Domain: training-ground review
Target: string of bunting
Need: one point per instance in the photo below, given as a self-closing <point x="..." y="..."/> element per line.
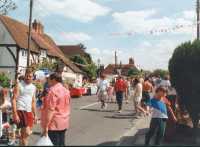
<point x="156" y="31"/>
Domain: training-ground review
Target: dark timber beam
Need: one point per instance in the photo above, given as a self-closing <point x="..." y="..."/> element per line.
<point x="12" y="54"/>
<point x="8" y="45"/>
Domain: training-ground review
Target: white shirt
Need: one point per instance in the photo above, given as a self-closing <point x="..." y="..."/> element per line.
<point x="165" y="83"/>
<point x="26" y="94"/>
<point x="157" y="114"/>
<point x="103" y="85"/>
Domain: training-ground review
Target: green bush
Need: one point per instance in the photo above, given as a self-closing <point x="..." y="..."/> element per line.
<point x="4" y="80"/>
<point x="133" y="72"/>
<point x="160" y="72"/>
<point x="185" y="76"/>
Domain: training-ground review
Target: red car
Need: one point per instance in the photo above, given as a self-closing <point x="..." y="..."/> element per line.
<point x="77" y="92"/>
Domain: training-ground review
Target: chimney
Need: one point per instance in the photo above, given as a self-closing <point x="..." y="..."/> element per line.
<point x="37" y="27"/>
<point x="131" y="61"/>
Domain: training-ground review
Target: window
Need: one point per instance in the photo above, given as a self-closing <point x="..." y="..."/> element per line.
<point x="24" y="53"/>
<point x="43" y="53"/>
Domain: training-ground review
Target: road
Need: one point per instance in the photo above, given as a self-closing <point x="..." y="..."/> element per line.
<point x="89" y="126"/>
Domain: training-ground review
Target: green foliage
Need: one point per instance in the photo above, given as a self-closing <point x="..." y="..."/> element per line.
<point x="78" y="59"/>
<point x="88" y="58"/>
<point x="184" y="72"/>
<point x="4" y="80"/>
<point x="91" y="70"/>
<point x="38" y="85"/>
<point x="6" y="6"/>
<point x="160" y="72"/>
<point x="45" y="64"/>
<point x="133" y="72"/>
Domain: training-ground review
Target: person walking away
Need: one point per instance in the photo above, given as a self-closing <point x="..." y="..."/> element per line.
<point x="55" y="112"/>
<point x="147" y="89"/>
<point x="24" y="107"/>
<point x="128" y="90"/>
<point x="120" y="88"/>
<point x="137" y="97"/>
<point x="159" y="118"/>
<point x="102" y="91"/>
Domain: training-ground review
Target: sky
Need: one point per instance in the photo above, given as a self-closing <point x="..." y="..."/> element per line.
<point x="147" y="30"/>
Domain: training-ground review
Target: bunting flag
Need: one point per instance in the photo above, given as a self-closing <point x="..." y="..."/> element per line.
<point x="157" y="31"/>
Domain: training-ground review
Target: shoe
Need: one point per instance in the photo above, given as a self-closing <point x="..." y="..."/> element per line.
<point x="105" y="106"/>
<point x="12" y="143"/>
<point x="120" y="111"/>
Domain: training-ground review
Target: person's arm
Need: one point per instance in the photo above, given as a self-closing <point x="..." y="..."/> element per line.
<point x="51" y="105"/>
<point x="34" y="107"/>
<point x="172" y="113"/>
<point x="14" y="106"/>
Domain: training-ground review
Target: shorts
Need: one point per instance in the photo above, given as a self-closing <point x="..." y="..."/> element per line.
<point x="102" y="95"/>
<point x="26" y="119"/>
<point x="145" y="97"/>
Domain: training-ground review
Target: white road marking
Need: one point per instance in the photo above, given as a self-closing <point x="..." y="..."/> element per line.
<point x="83" y="107"/>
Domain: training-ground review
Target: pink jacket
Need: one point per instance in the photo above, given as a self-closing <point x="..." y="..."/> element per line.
<point x="57" y="100"/>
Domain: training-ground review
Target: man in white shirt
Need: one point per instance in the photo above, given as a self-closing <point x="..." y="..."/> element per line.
<point x="102" y="91"/>
<point x="24" y="108"/>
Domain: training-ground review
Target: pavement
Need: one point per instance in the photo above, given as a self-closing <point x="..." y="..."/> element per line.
<point x="89" y="126"/>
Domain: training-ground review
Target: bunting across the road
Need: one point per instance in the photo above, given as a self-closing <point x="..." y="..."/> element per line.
<point x="156" y="31"/>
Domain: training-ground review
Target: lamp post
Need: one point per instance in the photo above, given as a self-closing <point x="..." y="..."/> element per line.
<point x="98" y="62"/>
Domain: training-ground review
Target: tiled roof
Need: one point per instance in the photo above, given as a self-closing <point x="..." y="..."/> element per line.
<point x="72" y="50"/>
<point x="110" y="69"/>
<point x="19" y="32"/>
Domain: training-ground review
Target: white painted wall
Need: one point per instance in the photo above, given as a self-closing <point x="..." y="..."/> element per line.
<point x="5" y="57"/>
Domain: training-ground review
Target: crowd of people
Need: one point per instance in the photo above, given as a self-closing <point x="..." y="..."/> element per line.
<point x="150" y="96"/>
<point x="51" y="104"/>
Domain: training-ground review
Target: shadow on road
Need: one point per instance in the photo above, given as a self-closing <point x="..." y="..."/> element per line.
<point x="119" y="117"/>
<point x="97" y="110"/>
<point x="110" y="143"/>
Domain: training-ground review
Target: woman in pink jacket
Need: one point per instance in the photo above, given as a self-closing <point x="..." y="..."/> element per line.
<point x="55" y="112"/>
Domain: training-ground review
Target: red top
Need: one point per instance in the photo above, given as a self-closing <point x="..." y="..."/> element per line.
<point x="120" y="85"/>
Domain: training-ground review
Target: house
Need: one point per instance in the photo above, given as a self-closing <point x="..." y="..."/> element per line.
<point x="14" y="44"/>
<point x="72" y="50"/>
<point x="114" y="69"/>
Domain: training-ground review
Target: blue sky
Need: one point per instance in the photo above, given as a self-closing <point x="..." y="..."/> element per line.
<point x="126" y="26"/>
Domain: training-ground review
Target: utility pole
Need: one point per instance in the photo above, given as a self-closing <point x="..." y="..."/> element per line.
<point x="198" y="18"/>
<point x="29" y="32"/>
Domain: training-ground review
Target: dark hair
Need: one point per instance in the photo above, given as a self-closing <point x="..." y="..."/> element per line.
<point x="103" y="76"/>
<point x="56" y="76"/>
<point x="29" y="71"/>
<point x="161" y="88"/>
<point x="146" y="79"/>
<point x="136" y="81"/>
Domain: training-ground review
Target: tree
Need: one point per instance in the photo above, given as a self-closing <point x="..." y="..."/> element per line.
<point x="79" y="59"/>
<point x="6" y="6"/>
<point x="184" y="72"/>
<point x="4" y="80"/>
<point x="133" y="72"/>
<point x="91" y="71"/>
<point x="160" y="72"/>
<point x="82" y="46"/>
